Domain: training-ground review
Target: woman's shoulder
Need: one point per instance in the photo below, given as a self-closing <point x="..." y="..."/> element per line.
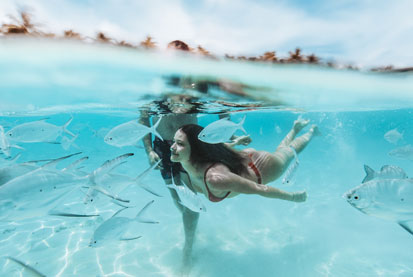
<point x="215" y="175"/>
<point x="215" y="168"/>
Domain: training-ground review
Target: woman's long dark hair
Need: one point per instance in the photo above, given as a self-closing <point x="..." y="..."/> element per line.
<point x="202" y="152"/>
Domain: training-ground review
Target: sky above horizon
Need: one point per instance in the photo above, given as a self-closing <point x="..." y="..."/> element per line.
<point x="363" y="33"/>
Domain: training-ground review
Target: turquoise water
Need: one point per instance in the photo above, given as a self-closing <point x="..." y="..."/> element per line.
<point x="101" y="87"/>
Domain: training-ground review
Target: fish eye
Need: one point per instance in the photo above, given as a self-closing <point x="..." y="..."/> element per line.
<point x="94" y="242"/>
<point x="356" y="197"/>
<point x="10" y="134"/>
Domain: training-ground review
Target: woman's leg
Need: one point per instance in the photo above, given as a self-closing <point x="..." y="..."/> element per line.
<point x="273" y="165"/>
<point x="190" y="220"/>
<point x="299" y="124"/>
<point x="301" y="142"/>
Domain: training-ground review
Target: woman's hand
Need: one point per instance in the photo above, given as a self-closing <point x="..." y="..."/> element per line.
<point x="153" y="158"/>
<point x="299" y="196"/>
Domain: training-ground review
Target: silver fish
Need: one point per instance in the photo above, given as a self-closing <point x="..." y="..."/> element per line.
<point x="14" y="170"/>
<point x="386" y="172"/>
<point x="10" y="172"/>
<point x="129" y="133"/>
<point x="220" y="131"/>
<point x="115" y="227"/>
<point x="289" y="173"/>
<point x="66" y="214"/>
<point x="48" y="186"/>
<point x="45" y="184"/>
<point x="187" y="197"/>
<point x="98" y="174"/>
<point x="405" y="152"/>
<point x="122" y="181"/>
<point x="393" y="136"/>
<point x="389" y="199"/>
<point x="38" y="131"/>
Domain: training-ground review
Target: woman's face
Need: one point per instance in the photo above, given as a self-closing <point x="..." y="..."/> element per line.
<point x="180" y="149"/>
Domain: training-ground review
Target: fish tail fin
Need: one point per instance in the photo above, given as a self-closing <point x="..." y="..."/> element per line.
<point x="146" y="172"/>
<point x="406" y="227"/>
<point x="66" y="143"/>
<point x="16" y="146"/>
<point x="142" y="175"/>
<point x="140" y="216"/>
<point x="369" y="173"/>
<point x="153" y="128"/>
<point x="15" y="158"/>
<point x="241" y="123"/>
<point x="123" y="207"/>
<point x="65" y="127"/>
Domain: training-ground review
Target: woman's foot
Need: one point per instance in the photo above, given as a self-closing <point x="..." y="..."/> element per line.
<point x="314" y="129"/>
<point x="299" y="124"/>
<point x="299" y="196"/>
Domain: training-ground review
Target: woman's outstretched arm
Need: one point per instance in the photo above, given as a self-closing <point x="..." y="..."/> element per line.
<point x="221" y="178"/>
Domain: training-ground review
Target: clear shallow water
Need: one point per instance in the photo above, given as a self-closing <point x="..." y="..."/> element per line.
<point x="243" y="236"/>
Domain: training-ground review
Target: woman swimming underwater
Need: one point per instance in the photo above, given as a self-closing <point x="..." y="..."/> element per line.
<point x="220" y="172"/>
